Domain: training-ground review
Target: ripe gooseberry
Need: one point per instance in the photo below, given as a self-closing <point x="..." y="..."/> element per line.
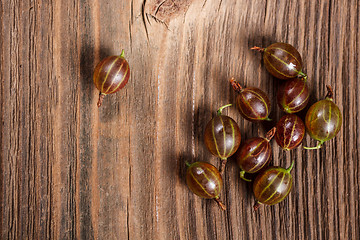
<point x="252" y="102"/>
<point x="323" y="120"/>
<point x="272" y="185"/>
<point x="111" y="75"/>
<point x="222" y="136"/>
<point x="205" y="180"/>
<point x="293" y="95"/>
<point x="290" y="131"/>
<point x="282" y="60"/>
<point x="254" y="154"/>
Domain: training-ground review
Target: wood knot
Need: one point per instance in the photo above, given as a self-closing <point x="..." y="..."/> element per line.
<point x="165" y="10"/>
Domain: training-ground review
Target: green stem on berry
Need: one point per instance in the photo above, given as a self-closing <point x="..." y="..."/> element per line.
<point x="316" y="147"/>
<point x="122" y="53"/>
<point x="287" y="109"/>
<point x="302" y="75"/>
<point x="219" y="111"/>
<point x="268" y="119"/>
<point x="242" y="176"/>
<point x="187" y="164"/>
<point x="288" y="170"/>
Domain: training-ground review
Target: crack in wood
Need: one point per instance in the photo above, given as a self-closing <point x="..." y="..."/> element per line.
<point x="143" y="19"/>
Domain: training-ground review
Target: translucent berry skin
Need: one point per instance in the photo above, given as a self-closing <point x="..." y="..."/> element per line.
<point x="254" y="154"/>
<point x="204" y="180"/>
<point x="273" y="185"/>
<point x="282" y="61"/>
<point x="323" y="120"/>
<point x="253" y="104"/>
<point x="293" y="95"/>
<point x="290" y="131"/>
<point x="111" y="75"/>
<point x="222" y="136"/>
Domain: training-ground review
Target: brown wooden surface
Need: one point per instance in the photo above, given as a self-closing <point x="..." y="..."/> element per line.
<point x="72" y="171"/>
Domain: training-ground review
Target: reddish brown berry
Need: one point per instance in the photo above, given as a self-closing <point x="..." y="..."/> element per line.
<point x="111" y="75"/>
<point x="252" y="102"/>
<point x="205" y="180"/>
<point x="282" y="60"/>
<point x="293" y="95"/>
<point x="254" y="154"/>
<point x="290" y="131"/>
<point x="272" y="185"/>
<point x="222" y="136"/>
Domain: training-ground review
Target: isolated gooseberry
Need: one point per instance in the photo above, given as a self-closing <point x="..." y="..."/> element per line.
<point x="111" y="75"/>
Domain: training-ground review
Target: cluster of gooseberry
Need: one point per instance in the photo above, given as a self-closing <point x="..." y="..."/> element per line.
<point x="222" y="135"/>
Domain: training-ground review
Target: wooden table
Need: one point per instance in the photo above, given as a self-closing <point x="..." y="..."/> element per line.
<point x="71" y="170"/>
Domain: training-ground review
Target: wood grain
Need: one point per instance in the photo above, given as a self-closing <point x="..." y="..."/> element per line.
<point x="72" y="171"/>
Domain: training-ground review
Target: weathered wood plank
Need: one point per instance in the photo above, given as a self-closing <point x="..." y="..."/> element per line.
<point x="70" y="170"/>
